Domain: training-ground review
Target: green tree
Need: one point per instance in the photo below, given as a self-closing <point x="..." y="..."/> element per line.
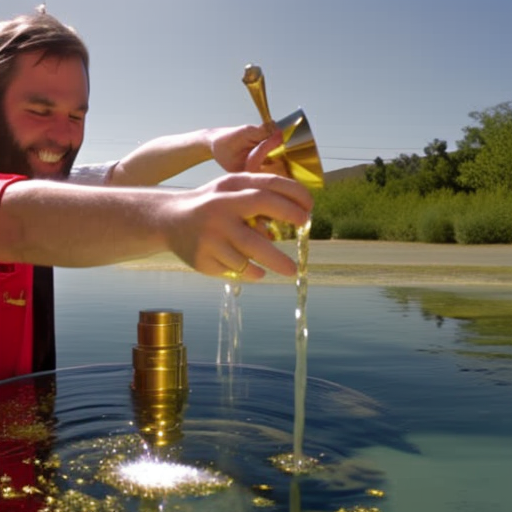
<point x="486" y="150"/>
<point x="376" y="173"/>
<point x="436" y="148"/>
<point x="438" y="170"/>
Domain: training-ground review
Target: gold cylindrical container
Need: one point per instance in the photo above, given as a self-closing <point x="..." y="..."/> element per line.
<point x="160" y="358"/>
<point x="160" y="377"/>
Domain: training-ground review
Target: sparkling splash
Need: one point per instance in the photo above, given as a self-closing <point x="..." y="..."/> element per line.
<point x="155" y="477"/>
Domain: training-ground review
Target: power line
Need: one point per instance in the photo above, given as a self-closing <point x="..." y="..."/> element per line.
<point x="351" y="159"/>
<point x="373" y="149"/>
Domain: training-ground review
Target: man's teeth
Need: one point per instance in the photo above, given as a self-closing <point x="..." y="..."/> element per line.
<point x="49" y="157"/>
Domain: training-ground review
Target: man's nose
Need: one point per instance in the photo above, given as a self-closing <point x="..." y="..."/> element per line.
<point x="63" y="131"/>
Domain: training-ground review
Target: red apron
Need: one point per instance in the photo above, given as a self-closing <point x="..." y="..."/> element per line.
<point x="16" y="329"/>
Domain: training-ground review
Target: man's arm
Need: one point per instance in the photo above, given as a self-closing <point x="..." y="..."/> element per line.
<point x="165" y="157"/>
<point x="48" y="223"/>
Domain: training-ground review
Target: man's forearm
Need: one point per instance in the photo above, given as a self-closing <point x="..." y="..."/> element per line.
<point x="162" y="158"/>
<point x="48" y="223"/>
<point x="165" y="157"/>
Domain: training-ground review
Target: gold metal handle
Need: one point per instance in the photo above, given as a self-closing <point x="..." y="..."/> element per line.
<point x="255" y="82"/>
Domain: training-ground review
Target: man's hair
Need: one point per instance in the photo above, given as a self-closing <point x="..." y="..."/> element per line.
<point x="36" y="32"/>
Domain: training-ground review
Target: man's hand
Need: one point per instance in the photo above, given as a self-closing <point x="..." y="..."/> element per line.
<point x="209" y="228"/>
<point x="245" y="148"/>
<point x="232" y="148"/>
<point x="214" y="236"/>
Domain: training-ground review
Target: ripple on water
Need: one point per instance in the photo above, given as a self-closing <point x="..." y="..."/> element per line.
<point x="230" y="427"/>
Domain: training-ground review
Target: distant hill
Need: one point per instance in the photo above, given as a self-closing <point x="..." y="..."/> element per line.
<point x="357" y="171"/>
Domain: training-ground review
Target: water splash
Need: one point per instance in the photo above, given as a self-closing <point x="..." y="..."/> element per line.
<point x="147" y="476"/>
<point x="230" y="325"/>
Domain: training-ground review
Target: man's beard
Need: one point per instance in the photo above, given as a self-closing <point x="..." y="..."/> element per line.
<point x="14" y="159"/>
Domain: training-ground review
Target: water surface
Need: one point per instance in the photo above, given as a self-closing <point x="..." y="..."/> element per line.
<point x="441" y="374"/>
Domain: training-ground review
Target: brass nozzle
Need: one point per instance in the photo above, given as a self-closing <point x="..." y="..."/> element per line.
<point x="160" y="358"/>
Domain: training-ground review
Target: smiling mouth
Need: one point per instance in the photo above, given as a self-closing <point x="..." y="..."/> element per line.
<point x="50" y="157"/>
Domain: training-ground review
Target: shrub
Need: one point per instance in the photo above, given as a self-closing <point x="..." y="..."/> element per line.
<point x="399" y="217"/>
<point x="487" y="218"/>
<point x="355" y="228"/>
<point x="400" y="230"/>
<point x="484" y="227"/>
<point x="356" y="209"/>
<point x="435" y="227"/>
<point x="321" y="228"/>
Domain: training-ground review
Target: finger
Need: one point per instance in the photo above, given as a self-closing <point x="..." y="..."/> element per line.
<point x="214" y="268"/>
<point x="269" y="256"/>
<point x="271" y="205"/>
<point x="259" y="154"/>
<point x="250" y="273"/>
<point x="260" y="225"/>
<point x="244" y="182"/>
<point x="232" y="259"/>
<point x="276" y="166"/>
<point x="220" y="258"/>
<point x="263" y="252"/>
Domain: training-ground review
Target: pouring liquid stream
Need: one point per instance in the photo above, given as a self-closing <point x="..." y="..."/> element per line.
<point x="229" y="351"/>
<point x="297" y="462"/>
<point x="301" y="345"/>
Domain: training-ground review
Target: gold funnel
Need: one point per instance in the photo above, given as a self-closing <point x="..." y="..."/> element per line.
<point x="160" y="379"/>
<point x="298" y="151"/>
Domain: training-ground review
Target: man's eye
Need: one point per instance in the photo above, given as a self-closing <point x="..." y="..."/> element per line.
<point x="76" y="117"/>
<point x="41" y="113"/>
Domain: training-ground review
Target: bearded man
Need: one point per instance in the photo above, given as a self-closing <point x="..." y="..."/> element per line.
<point x="44" y="99"/>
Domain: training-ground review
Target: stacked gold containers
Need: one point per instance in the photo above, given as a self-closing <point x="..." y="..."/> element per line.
<point x="160" y="378"/>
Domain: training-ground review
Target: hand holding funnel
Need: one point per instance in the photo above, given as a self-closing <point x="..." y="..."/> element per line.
<point x="298" y="151"/>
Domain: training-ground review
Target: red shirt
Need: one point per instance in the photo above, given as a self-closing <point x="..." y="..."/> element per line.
<point x="16" y="310"/>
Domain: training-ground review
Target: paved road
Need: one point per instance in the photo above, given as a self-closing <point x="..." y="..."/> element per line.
<point x="348" y="252"/>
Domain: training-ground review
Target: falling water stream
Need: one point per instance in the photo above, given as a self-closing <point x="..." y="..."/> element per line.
<point x="297" y="462"/>
<point x="230" y="325"/>
<point x="228" y="351"/>
<point x="301" y="463"/>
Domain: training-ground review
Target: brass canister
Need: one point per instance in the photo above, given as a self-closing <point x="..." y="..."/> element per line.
<point x="160" y="358"/>
<point x="160" y="378"/>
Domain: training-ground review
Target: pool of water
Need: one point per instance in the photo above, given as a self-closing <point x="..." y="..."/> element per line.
<point x="230" y="422"/>
<point x="435" y="365"/>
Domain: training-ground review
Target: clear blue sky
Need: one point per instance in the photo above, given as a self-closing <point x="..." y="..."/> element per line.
<point x="375" y="78"/>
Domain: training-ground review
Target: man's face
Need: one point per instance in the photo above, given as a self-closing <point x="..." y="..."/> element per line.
<point x="44" y="110"/>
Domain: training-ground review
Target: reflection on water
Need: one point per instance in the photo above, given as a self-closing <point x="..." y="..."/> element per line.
<point x="93" y="430"/>
<point x="484" y="323"/>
